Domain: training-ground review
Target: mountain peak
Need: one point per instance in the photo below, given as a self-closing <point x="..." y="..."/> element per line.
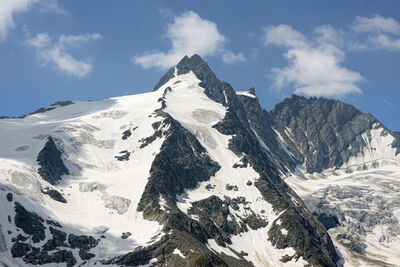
<point x="195" y="64"/>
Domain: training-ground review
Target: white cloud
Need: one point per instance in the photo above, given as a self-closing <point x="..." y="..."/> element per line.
<point x="8" y="8"/>
<point x="50" y="6"/>
<point x="55" y="52"/>
<point x="382" y="41"/>
<point x="376" y="23"/>
<point x="284" y="35"/>
<point x="327" y="34"/>
<point x="231" y="58"/>
<point x="189" y="34"/>
<point x="381" y="33"/>
<point x="314" y="64"/>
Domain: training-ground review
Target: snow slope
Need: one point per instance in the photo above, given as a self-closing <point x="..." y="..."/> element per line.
<point x="102" y="193"/>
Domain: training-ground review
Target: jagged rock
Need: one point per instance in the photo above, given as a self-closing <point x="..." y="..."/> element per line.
<point x="126" y="134"/>
<point x="176" y="167"/>
<point x="305" y="227"/>
<point x="53" y="223"/>
<point x="54" y="194"/>
<point x="231" y="187"/>
<point x="19" y="249"/>
<point x="148" y="140"/>
<point x="84" y="243"/>
<point x="125" y="235"/>
<point x="40" y="257"/>
<point x="52" y="167"/>
<point x="19" y="238"/>
<point x="58" y="240"/>
<point x="29" y="222"/>
<point x="125" y="155"/>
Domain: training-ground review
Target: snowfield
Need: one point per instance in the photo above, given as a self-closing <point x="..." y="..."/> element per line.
<point x="102" y="193"/>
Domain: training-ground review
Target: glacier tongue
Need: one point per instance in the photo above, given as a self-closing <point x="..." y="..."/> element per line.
<point x="365" y="206"/>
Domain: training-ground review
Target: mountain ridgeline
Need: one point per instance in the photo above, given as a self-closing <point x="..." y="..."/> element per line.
<point x="323" y="133"/>
<point x="189" y="174"/>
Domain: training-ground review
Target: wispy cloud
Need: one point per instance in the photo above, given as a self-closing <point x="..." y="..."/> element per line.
<point x="8" y="8"/>
<point x="381" y="33"/>
<point x="375" y="24"/>
<point x="314" y="64"/>
<point x="189" y="34"/>
<point x="50" y="6"/>
<point x="55" y="52"/>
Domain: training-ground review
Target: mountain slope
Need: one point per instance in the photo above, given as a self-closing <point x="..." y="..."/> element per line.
<point x="324" y="134"/>
<point x="352" y="175"/>
<point x="176" y="177"/>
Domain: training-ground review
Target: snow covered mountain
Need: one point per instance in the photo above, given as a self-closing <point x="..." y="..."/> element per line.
<point x="195" y="174"/>
<point x="352" y="183"/>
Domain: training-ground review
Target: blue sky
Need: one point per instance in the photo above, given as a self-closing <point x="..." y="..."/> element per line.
<point x="79" y="50"/>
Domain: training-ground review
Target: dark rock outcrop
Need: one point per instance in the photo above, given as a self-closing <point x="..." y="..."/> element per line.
<point x="52" y="167"/>
<point x="9" y="197"/>
<point x="126" y="134"/>
<point x="396" y="143"/>
<point x="30" y="223"/>
<point x="54" y="194"/>
<point x="125" y="154"/>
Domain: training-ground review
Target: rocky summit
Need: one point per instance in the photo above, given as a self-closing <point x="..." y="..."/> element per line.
<point x="194" y="173"/>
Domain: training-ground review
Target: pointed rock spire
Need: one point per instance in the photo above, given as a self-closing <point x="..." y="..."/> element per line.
<point x="195" y="64"/>
<point x="214" y="88"/>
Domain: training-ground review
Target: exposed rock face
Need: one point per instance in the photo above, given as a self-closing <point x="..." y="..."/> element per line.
<point x="30" y="223"/>
<point x="54" y="194"/>
<point x="52" y="167"/>
<point x="396" y="143"/>
<point x="55" y="250"/>
<point x="261" y="123"/>
<point x="305" y="233"/>
<point x="307" y="236"/>
<point x="324" y="133"/>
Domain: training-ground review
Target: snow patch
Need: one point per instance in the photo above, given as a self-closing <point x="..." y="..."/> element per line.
<point x="179" y="253"/>
<point x="246" y="93"/>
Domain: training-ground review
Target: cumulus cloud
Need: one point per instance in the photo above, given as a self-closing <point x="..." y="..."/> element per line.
<point x="8" y="8"/>
<point x="314" y="64"/>
<point x="54" y="52"/>
<point x="189" y="34"/>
